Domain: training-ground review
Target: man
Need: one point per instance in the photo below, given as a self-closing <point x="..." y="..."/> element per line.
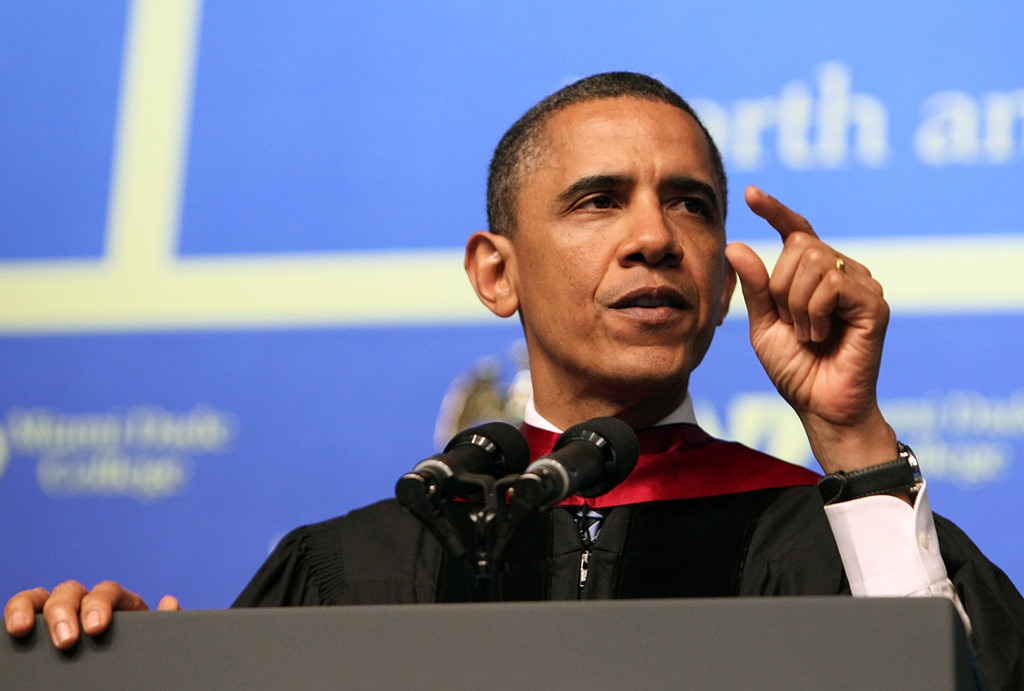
<point x="607" y="205"/>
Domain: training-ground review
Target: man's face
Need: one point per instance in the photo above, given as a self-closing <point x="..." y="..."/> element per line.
<point x="619" y="261"/>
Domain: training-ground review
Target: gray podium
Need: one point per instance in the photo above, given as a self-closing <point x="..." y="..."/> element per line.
<point x="763" y="643"/>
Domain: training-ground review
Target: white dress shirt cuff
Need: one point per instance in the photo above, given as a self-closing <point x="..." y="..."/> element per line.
<point x="891" y="549"/>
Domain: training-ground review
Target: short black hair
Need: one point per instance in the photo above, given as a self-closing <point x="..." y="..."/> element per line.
<point x="521" y="142"/>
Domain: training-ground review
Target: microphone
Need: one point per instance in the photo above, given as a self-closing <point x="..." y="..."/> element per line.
<point x="494" y="449"/>
<point x="588" y="459"/>
<point x="470" y="462"/>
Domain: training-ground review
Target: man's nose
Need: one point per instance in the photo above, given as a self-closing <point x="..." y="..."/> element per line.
<point x="651" y="239"/>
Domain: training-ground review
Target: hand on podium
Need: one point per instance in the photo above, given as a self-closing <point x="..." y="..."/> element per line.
<point x="62" y="607"/>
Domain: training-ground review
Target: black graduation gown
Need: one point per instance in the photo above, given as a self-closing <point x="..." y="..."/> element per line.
<point x="774" y="541"/>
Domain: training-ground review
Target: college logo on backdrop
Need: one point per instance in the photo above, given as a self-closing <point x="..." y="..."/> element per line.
<point x="492" y="388"/>
<point x="145" y="452"/>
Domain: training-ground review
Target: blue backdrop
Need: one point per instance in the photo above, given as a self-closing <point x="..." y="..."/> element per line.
<point x="230" y="248"/>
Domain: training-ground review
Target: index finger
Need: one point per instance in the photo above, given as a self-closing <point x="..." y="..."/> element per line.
<point x="779" y="216"/>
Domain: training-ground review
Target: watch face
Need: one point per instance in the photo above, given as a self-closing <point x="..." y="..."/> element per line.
<point x="907" y="454"/>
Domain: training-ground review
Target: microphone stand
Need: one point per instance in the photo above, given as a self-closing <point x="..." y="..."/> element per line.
<point x="507" y="502"/>
<point x="423" y="500"/>
<point x="485" y="580"/>
<point x="524" y="495"/>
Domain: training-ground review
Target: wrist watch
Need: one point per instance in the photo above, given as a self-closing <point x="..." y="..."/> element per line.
<point x="901" y="474"/>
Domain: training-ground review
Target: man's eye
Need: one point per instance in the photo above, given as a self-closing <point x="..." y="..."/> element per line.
<point x="695" y="206"/>
<point x="600" y="201"/>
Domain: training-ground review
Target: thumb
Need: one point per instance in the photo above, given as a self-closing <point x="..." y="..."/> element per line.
<point x="168" y="603"/>
<point x="753" y="277"/>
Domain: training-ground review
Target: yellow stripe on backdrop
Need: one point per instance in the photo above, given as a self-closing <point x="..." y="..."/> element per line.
<point x="141" y="285"/>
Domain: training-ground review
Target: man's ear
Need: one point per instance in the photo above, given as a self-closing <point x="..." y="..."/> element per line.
<point x="491" y="266"/>
<point x="728" y="288"/>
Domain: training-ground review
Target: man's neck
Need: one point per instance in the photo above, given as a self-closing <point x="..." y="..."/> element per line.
<point x="683" y="412"/>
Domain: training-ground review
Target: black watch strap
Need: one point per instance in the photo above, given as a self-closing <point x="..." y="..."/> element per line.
<point x="901" y="474"/>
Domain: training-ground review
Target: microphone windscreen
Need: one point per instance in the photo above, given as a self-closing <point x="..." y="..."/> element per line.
<point x="619" y="445"/>
<point x="513" y="452"/>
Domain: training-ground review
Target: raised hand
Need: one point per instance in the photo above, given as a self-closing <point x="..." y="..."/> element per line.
<point x="818" y="324"/>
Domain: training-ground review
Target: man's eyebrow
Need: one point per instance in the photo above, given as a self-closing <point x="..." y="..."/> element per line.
<point x="592" y="183"/>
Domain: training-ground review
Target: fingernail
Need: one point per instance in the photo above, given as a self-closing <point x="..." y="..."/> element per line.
<point x="92" y="619"/>
<point x="62" y="632"/>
